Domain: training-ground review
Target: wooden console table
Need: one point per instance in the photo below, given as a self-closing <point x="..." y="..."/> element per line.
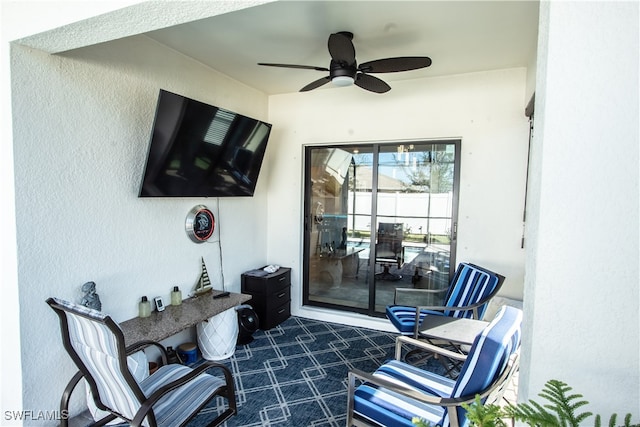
<point x="176" y="318"/>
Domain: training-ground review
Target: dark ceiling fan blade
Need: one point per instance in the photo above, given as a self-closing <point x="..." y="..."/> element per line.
<point x="371" y="83"/>
<point x="341" y="48"/>
<point x="316" y="84"/>
<point x="304" y="67"/>
<point x="393" y="65"/>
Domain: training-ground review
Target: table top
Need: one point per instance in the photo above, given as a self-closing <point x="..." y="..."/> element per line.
<point x="452" y="329"/>
<point x="176" y="318"/>
<point x="341" y="253"/>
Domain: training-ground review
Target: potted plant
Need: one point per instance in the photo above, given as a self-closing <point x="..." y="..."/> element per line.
<point x="562" y="410"/>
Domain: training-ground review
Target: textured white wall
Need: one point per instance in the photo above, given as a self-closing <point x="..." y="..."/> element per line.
<point x="18" y="21"/>
<point x="581" y="288"/>
<point x="81" y="129"/>
<point x="485" y="110"/>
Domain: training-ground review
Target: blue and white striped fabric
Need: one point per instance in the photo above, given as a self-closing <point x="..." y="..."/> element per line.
<point x="487" y="360"/>
<point x="97" y="345"/>
<point x="489" y="355"/>
<point x="384" y="407"/>
<point x="176" y="406"/>
<point x="470" y="285"/>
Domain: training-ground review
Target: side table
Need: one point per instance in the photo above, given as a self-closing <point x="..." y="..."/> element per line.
<point x="271" y="295"/>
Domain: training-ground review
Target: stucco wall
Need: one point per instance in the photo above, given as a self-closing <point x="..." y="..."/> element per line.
<point x="485" y="110"/>
<point x="82" y="123"/>
<point x="581" y="288"/>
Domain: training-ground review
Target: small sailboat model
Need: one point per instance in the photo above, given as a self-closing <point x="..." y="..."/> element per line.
<point x="203" y="285"/>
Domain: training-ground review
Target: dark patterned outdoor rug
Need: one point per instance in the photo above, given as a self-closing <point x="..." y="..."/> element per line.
<point x="296" y="374"/>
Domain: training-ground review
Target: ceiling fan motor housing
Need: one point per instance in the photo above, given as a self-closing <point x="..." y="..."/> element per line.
<point x="336" y="69"/>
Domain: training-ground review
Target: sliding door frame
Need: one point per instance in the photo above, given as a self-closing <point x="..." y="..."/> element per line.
<point x="308" y="217"/>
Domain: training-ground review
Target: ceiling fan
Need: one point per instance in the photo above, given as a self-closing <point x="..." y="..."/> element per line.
<point x="344" y="70"/>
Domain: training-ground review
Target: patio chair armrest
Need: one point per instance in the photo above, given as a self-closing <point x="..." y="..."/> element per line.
<point x="356" y="374"/>
<point x="141" y="345"/>
<point x="441" y="308"/>
<point x="151" y="400"/>
<point x="397" y="387"/>
<point x="474" y="307"/>
<point x="228" y="377"/>
<point x="419" y="291"/>
<point x="402" y="339"/>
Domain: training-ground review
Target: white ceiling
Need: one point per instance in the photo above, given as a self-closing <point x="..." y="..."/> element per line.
<point x="459" y="36"/>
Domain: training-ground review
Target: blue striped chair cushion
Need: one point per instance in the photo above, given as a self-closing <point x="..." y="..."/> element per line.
<point x="487" y="359"/>
<point x="470" y="285"/>
<point x="419" y="379"/>
<point x="489" y="355"/>
<point x="176" y="406"/>
<point x="403" y="317"/>
<point x="387" y="408"/>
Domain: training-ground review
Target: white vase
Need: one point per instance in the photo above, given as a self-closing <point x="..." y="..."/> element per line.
<point x="217" y="336"/>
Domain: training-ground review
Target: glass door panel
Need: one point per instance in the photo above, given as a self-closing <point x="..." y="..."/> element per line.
<point x="338" y="223"/>
<point x="415" y="218"/>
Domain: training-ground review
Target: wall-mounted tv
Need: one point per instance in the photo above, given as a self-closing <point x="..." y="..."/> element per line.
<point x="199" y="150"/>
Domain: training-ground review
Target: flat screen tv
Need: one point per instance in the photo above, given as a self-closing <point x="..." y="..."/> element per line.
<point x="199" y="150"/>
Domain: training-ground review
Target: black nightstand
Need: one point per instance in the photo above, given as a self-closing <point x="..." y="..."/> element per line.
<point x="271" y="296"/>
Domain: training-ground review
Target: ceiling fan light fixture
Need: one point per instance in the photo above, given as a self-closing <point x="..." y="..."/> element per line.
<point x="343" y="81"/>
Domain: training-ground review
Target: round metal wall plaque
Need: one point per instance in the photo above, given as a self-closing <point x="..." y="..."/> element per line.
<point x="200" y="224"/>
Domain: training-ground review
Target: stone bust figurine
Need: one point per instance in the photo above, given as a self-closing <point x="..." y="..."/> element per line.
<point x="91" y="299"/>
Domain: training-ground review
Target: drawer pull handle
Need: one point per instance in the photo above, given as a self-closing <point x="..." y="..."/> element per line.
<point x="281" y="279"/>
<point x="282" y="294"/>
<point x="281" y="311"/>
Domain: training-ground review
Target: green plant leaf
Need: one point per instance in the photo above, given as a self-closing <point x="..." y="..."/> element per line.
<point x="561" y="411"/>
<point x="484" y="415"/>
<point x="420" y="422"/>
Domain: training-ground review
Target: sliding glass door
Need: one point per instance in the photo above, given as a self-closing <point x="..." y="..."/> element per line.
<point x="378" y="217"/>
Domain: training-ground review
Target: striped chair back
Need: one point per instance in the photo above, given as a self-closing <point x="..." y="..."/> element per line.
<point x="469" y="286"/>
<point x="96" y="345"/>
<point x="488" y="356"/>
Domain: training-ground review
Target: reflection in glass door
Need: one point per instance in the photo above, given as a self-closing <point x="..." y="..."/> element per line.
<point x="336" y="239"/>
<point x="415" y="223"/>
<point x="378" y="217"/>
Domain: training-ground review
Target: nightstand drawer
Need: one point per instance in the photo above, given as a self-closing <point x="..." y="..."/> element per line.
<point x="276" y="316"/>
<point x="279" y="297"/>
<point x="266" y="284"/>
